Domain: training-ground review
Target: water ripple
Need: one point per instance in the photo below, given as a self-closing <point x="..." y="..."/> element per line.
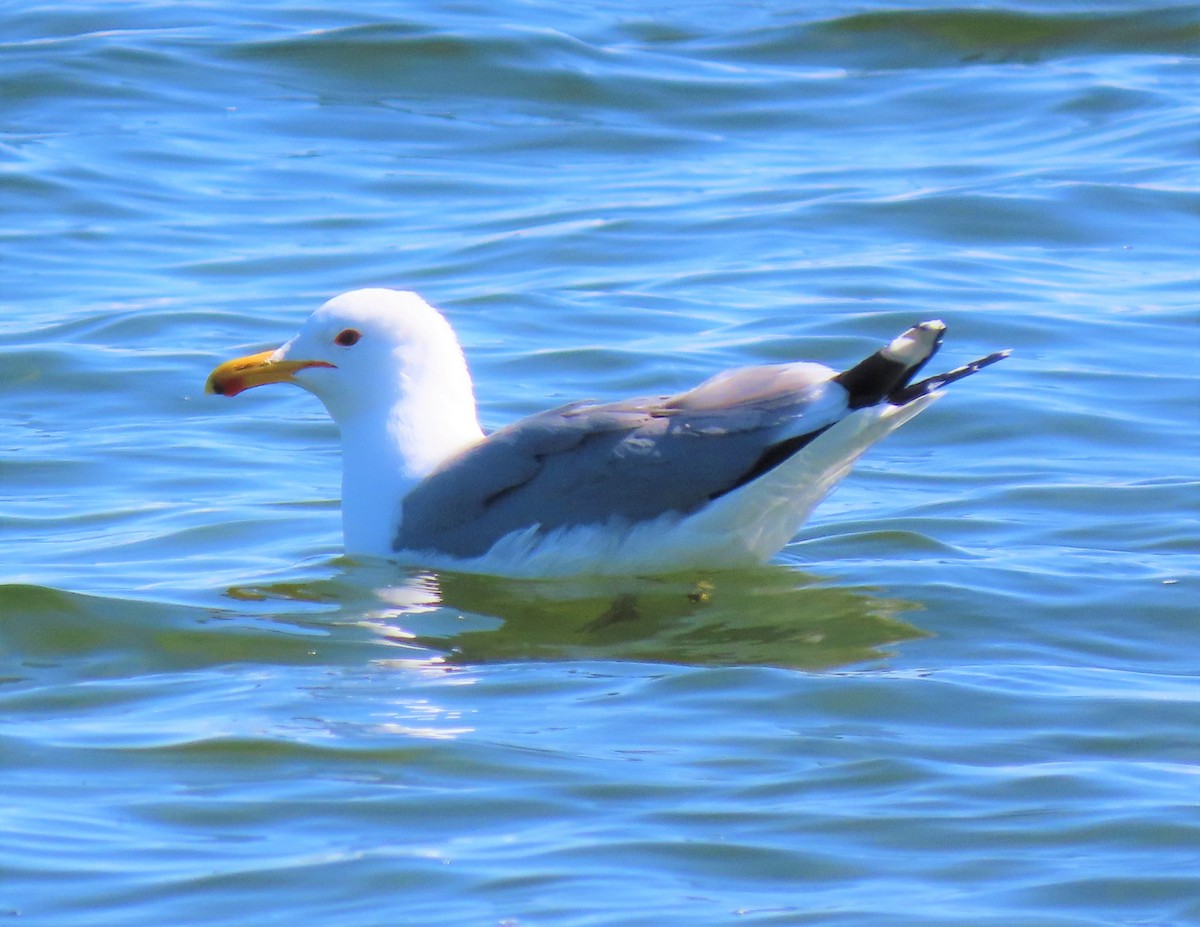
<point x="965" y="693"/>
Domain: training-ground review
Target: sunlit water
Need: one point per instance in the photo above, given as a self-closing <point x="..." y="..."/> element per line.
<point x="967" y="692"/>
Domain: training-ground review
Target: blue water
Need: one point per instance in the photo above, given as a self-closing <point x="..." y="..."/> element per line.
<point x="966" y="694"/>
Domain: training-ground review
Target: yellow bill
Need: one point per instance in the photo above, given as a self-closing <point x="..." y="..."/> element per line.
<point x="242" y="373"/>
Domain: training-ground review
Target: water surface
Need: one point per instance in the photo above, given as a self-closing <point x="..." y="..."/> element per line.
<point x="966" y="693"/>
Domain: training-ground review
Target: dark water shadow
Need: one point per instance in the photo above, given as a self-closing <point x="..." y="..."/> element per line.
<point x="771" y="616"/>
<point x="360" y="613"/>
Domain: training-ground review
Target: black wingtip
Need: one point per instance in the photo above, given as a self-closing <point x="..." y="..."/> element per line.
<point x="908" y="393"/>
<point x="892" y="366"/>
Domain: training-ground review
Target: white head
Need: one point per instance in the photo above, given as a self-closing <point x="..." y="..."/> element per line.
<point x="389" y="370"/>
<point x="378" y="342"/>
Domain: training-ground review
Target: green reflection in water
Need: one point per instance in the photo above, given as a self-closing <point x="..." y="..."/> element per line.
<point x="767" y="617"/>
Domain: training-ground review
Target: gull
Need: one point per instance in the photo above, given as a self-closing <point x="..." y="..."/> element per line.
<point x="719" y="476"/>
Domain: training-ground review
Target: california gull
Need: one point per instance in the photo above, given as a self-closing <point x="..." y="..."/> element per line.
<point x="718" y="476"/>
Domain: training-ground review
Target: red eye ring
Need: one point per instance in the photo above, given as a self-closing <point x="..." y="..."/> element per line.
<point x="347" y="337"/>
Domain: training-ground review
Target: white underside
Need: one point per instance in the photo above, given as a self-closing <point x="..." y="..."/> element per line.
<point x="747" y="526"/>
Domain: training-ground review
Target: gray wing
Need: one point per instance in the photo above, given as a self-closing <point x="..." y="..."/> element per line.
<point x="588" y="463"/>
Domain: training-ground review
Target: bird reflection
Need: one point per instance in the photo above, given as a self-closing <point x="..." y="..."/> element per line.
<point x="771" y="616"/>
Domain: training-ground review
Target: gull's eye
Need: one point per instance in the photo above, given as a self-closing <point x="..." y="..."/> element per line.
<point x="347" y="337"/>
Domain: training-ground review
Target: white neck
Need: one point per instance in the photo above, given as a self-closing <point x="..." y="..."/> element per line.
<point x="400" y="393"/>
<point x="373" y="485"/>
<point x="385" y="454"/>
